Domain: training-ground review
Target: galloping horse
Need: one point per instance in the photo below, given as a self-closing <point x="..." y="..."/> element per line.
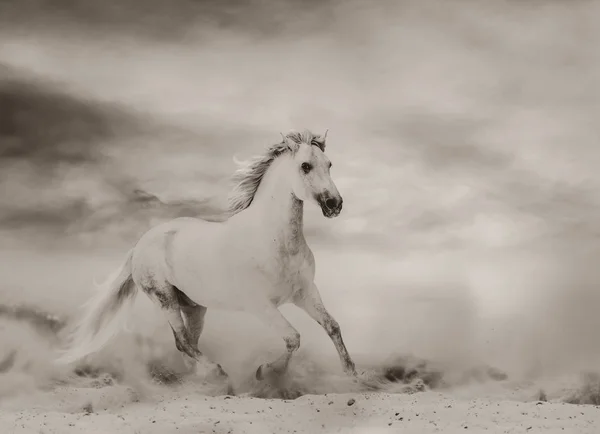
<point x="254" y="261"/>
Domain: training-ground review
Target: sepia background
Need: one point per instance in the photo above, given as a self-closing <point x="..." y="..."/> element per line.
<point x="464" y="139"/>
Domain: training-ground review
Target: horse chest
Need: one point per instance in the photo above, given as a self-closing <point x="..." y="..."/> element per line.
<point x="286" y="275"/>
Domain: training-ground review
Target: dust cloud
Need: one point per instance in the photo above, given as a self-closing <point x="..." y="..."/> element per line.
<point x="464" y="142"/>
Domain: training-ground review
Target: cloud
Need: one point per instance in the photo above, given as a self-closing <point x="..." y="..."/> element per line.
<point x="47" y="126"/>
<point x="167" y="21"/>
<point x="57" y="174"/>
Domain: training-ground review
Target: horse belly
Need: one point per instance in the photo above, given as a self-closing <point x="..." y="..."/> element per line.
<point x="215" y="268"/>
<point x="213" y="277"/>
<point x="212" y="287"/>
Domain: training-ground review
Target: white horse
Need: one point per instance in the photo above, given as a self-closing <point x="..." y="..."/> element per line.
<point x="255" y="261"/>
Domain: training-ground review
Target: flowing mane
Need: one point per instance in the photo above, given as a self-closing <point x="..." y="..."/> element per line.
<point x="251" y="172"/>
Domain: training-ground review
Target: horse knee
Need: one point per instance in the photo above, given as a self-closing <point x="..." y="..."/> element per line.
<point x="292" y="342"/>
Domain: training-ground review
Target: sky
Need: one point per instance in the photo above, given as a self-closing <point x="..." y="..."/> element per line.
<point x="463" y="138"/>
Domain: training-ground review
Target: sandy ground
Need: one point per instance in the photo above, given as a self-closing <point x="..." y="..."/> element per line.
<point x="371" y="413"/>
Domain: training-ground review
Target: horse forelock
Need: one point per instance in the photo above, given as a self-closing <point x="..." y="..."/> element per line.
<point x="247" y="177"/>
<point x="307" y="137"/>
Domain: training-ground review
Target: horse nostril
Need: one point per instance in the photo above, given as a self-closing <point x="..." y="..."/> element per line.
<point x="331" y="203"/>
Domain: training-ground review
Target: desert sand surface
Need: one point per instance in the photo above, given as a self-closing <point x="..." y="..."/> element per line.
<point x="364" y="413"/>
<point x="463" y="270"/>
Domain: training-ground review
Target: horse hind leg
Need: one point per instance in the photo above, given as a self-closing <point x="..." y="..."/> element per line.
<point x="166" y="297"/>
<point x="193" y="317"/>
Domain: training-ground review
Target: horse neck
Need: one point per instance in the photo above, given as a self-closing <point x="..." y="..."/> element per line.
<point x="281" y="213"/>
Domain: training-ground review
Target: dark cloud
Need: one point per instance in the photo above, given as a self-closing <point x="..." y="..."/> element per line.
<point x="167" y="20"/>
<point x="45" y="135"/>
<point x="46" y="217"/>
<point x="46" y="126"/>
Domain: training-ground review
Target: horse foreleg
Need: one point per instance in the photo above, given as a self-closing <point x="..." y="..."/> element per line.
<point x="310" y="301"/>
<point x="272" y="317"/>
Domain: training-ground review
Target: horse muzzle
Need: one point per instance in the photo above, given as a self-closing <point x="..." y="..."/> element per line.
<point x="330" y="205"/>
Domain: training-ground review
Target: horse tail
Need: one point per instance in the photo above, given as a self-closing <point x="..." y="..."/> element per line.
<point x="103" y="316"/>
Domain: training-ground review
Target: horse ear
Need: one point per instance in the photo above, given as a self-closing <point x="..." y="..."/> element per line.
<point x="286" y="141"/>
<point x="321" y="140"/>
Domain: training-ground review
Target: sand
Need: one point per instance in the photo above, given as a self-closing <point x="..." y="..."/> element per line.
<point x="428" y="412"/>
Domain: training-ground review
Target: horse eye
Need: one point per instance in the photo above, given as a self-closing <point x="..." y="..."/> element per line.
<point x="306" y="167"/>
